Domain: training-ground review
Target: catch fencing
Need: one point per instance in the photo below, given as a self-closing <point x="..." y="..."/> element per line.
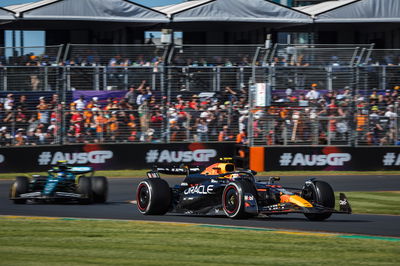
<point x="201" y="93"/>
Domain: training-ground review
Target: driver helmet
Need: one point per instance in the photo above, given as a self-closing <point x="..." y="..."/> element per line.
<point x="234" y="176"/>
<point x="62" y="165"/>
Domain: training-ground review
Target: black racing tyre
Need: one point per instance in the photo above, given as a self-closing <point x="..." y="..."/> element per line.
<point x="99" y="189"/>
<point x="319" y="192"/>
<point x="153" y="196"/>
<point x="233" y="198"/>
<point x="84" y="188"/>
<point x="20" y="186"/>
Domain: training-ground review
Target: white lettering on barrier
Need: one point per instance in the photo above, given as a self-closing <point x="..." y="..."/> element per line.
<point x="96" y="157"/>
<point x="167" y="156"/>
<point x="300" y="159"/>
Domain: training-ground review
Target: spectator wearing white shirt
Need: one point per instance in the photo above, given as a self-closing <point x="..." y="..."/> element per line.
<point x="9" y="102"/>
<point x="313" y="94"/>
<point x="80" y="104"/>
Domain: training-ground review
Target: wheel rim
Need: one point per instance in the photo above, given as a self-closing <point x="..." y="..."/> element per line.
<point x="143" y="197"/>
<point x="231" y="200"/>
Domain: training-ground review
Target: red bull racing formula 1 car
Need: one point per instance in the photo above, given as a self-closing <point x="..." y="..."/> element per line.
<point x="221" y="189"/>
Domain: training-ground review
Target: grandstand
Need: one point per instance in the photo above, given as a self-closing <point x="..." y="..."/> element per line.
<point x="163" y="94"/>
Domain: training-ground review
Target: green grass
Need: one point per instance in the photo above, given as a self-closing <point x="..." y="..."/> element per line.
<point x="142" y="173"/>
<point x="387" y="202"/>
<point x="71" y="242"/>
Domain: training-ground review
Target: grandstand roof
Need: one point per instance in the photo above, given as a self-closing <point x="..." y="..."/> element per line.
<point x="259" y="11"/>
<point x="6" y="14"/>
<point x="88" y="10"/>
<point x="171" y="9"/>
<point x="323" y="7"/>
<point x="362" y="11"/>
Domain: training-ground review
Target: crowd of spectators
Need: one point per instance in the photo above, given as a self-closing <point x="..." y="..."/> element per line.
<point x="313" y="116"/>
<point x="324" y="117"/>
<point x="140" y="115"/>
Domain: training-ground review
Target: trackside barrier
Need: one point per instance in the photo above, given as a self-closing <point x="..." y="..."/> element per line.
<point x="330" y="158"/>
<point x="113" y="156"/>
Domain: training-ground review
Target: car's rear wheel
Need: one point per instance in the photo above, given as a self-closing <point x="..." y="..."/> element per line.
<point x="99" y="189"/>
<point x="319" y="192"/>
<point x="233" y="202"/>
<point x="153" y="196"/>
<point x="84" y="188"/>
<point x="20" y="186"/>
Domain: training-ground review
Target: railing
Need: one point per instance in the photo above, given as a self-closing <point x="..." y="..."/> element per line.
<point x="31" y="56"/>
<point x="115" y="54"/>
<point x="273" y="127"/>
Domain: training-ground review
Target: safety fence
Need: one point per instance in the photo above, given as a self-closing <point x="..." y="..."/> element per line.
<point x="361" y="80"/>
<point x="325" y="126"/>
<point x="274" y="126"/>
<point x="347" y="106"/>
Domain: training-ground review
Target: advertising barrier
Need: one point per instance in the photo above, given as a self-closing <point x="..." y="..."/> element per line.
<point x="332" y="158"/>
<point x="113" y="156"/>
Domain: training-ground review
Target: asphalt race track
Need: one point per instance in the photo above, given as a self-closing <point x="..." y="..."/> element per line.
<point x="122" y="192"/>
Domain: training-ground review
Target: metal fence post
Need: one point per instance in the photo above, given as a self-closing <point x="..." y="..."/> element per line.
<point x="46" y="78"/>
<point x="250" y="122"/>
<point x="68" y="78"/>
<point x="96" y="79"/>
<point x="383" y="80"/>
<point x="218" y="79"/>
<point x="5" y="80"/>
<point x="105" y="81"/>
<point x="329" y="78"/>
<point x="214" y="79"/>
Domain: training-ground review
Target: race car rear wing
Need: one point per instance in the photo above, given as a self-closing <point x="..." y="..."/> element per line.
<point x="176" y="170"/>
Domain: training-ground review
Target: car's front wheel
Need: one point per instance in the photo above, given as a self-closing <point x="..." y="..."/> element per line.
<point x="153" y="196"/>
<point x="20" y="186"/>
<point x="321" y="193"/>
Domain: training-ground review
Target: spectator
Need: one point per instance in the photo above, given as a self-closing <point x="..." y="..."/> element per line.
<point x="241" y="138"/>
<point x="202" y="130"/>
<point x="9" y="103"/>
<point x="20" y="137"/>
<point x="224" y="134"/>
<point x="43" y="111"/>
<point x="80" y="103"/>
<point x="130" y="96"/>
<point x="313" y="94"/>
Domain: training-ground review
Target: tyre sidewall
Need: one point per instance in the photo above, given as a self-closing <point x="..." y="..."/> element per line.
<point x="323" y="194"/>
<point x="242" y="187"/>
<point x="84" y="188"/>
<point x="99" y="188"/>
<point x="159" y="194"/>
<point x="239" y="207"/>
<point x="144" y="210"/>
<point x="20" y="186"/>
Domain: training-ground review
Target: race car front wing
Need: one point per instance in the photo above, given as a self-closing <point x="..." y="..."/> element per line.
<point x="55" y="195"/>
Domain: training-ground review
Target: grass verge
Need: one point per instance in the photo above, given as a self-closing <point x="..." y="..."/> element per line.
<point x="43" y="241"/>
<point x="387" y="202"/>
<point x="142" y="173"/>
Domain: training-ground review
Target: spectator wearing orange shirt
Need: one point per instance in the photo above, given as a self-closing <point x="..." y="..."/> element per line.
<point x="241" y="138"/>
<point x="100" y="122"/>
<point x="113" y="125"/>
<point x="224" y="134"/>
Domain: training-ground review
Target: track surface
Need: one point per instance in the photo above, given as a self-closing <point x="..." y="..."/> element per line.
<point x="123" y="190"/>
